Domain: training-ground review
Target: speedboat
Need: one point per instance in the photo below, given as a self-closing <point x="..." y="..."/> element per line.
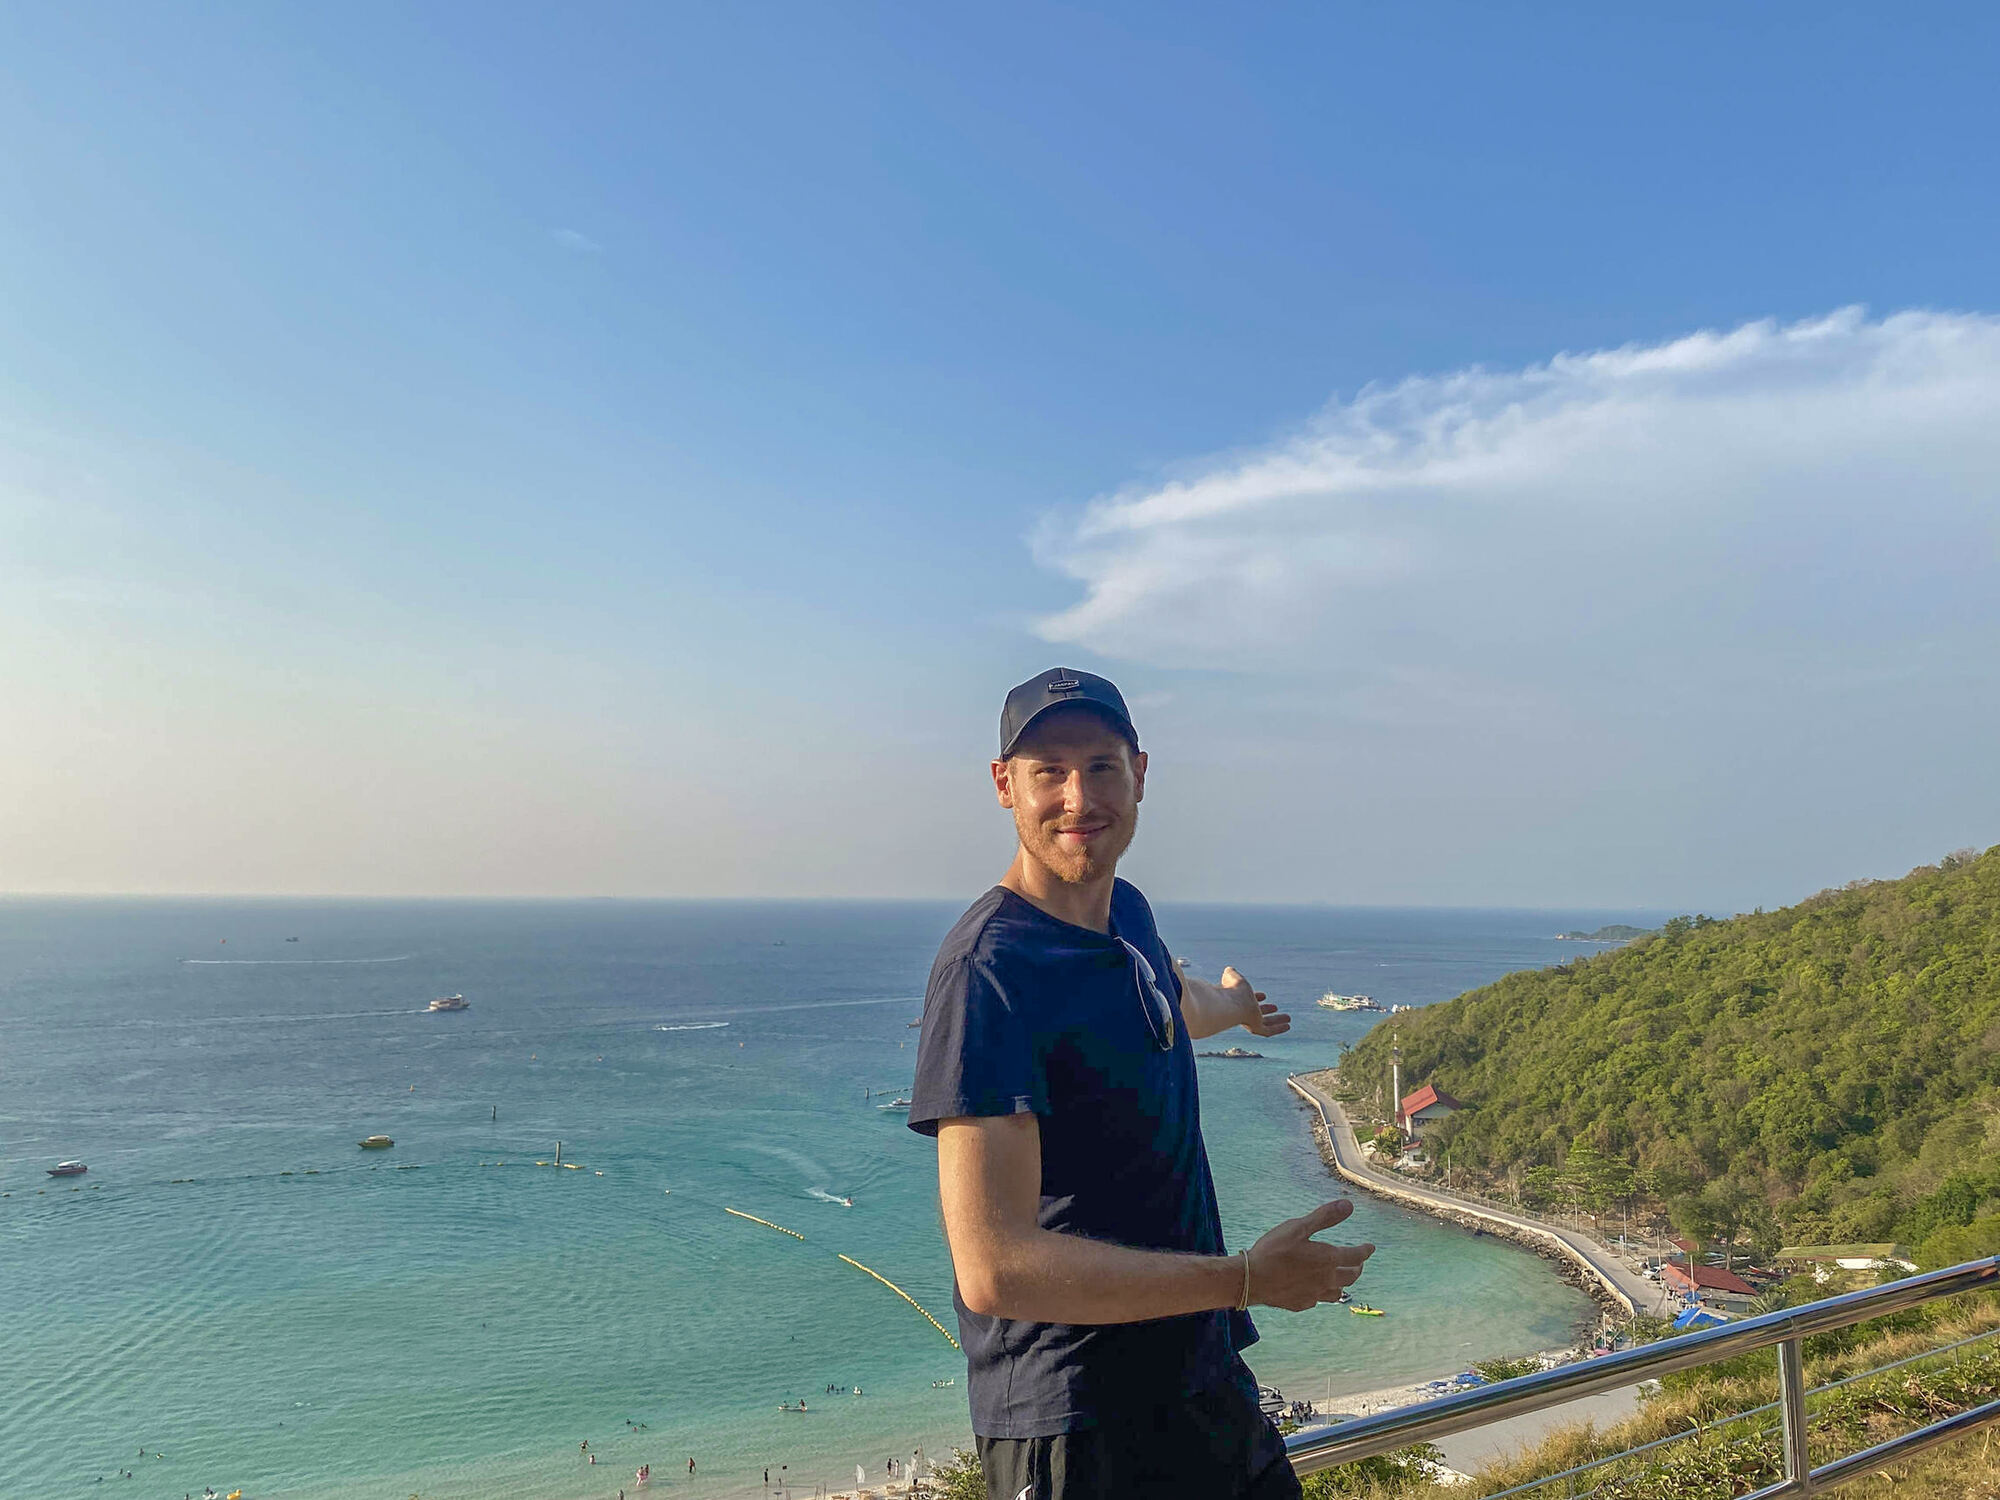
<point x="451" y="1002"/>
<point x="377" y="1143"/>
<point x="68" y="1169"/>
<point x="899" y="1102"/>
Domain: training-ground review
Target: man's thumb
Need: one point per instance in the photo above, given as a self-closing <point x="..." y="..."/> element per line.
<point x="1327" y="1215"/>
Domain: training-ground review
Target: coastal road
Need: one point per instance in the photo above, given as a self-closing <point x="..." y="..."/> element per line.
<point x="1468" y="1451"/>
<point x="1596" y="1259"/>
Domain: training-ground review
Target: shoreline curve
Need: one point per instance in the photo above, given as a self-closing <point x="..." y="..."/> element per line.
<point x="1579" y="1260"/>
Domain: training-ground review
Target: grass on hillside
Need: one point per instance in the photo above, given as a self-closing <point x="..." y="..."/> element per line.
<point x="1728" y="1458"/>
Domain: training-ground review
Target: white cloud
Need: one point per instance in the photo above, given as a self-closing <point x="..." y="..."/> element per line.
<point x="571" y="239"/>
<point x="1770" y="489"/>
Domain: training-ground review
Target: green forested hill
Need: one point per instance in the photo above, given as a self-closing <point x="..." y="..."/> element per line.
<point x="1829" y="1072"/>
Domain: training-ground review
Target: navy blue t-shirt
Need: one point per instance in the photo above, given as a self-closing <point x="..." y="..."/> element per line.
<point x="1026" y="1012"/>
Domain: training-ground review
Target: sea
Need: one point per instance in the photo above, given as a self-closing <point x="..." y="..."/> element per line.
<point x="237" y="1297"/>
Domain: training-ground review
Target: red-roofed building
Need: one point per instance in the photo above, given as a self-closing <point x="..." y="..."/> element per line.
<point x="1426" y="1106"/>
<point x="1706" y="1282"/>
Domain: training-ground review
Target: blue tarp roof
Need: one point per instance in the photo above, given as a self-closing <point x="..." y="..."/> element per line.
<point x="1698" y="1317"/>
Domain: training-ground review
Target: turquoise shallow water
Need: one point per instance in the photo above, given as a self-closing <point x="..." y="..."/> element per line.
<point x="449" y="1319"/>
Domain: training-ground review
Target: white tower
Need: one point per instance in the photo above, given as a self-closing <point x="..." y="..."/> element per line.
<point x="1396" y="1080"/>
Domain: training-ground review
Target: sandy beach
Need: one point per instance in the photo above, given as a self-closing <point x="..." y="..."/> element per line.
<point x="1466" y="1451"/>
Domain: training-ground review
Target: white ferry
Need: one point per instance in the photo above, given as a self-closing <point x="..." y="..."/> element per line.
<point x="1348" y="1002"/>
<point x="451" y="1002"/>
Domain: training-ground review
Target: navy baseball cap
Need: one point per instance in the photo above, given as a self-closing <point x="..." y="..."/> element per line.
<point x="1053" y="689"/>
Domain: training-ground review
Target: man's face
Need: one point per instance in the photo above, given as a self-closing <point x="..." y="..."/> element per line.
<point x="1074" y="785"/>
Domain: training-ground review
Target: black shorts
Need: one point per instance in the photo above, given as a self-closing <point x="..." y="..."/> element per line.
<point x="1214" y="1446"/>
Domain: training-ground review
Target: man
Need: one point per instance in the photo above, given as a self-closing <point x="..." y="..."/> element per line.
<point x="1101" y="1317"/>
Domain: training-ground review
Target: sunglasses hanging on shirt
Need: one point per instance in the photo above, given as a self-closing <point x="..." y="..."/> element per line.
<point x="1158" y="1009"/>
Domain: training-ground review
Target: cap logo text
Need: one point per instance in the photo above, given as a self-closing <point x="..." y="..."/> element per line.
<point x="1064" y="685"/>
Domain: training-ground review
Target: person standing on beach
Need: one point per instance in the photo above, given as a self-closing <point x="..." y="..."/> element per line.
<point x="1102" y="1319"/>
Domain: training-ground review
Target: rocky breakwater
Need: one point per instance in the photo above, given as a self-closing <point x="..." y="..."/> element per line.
<point x="1567" y="1255"/>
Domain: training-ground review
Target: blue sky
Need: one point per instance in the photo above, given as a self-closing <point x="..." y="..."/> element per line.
<point x="454" y="449"/>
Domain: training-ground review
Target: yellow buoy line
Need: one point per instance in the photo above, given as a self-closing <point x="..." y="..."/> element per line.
<point x="859" y="1267"/>
<point x="905" y="1296"/>
<point x="765" y="1222"/>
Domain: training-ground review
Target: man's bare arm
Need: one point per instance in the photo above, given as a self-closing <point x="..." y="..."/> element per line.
<point x="990" y="1182"/>
<point x="1209" y="1008"/>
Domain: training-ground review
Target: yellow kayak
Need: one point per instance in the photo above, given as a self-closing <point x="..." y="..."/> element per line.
<point x="1364" y="1312"/>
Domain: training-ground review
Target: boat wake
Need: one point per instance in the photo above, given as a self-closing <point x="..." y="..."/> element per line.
<point x="826" y="1197"/>
<point x="694" y="1026"/>
<point x="400" y="958"/>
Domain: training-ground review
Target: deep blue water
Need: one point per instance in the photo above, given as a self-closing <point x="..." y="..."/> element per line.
<point x="236" y="1286"/>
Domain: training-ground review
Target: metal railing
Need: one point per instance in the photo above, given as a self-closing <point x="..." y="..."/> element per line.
<point x="1387" y="1431"/>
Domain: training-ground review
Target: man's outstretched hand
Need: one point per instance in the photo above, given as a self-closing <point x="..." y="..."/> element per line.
<point x="1253" y="1012"/>
<point x="1292" y="1270"/>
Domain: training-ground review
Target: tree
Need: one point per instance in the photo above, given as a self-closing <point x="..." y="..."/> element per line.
<point x="1541" y="1185"/>
<point x="1694" y="1216"/>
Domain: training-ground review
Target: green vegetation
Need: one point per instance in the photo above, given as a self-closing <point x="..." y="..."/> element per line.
<point x="1726" y="1458"/>
<point x="1616" y="932"/>
<point x="1721" y="1453"/>
<point x="1406" y="1471"/>
<point x="1822" y="1074"/>
<point x="957" y="1478"/>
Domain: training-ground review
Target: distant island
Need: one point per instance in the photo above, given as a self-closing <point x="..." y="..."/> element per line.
<point x="1617" y="932"/>
<point x="1231" y="1052"/>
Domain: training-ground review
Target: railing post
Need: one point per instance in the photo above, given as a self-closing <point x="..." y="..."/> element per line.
<point x="1792" y="1395"/>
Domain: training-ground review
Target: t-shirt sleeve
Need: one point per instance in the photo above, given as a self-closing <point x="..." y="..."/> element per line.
<point x="976" y="1056"/>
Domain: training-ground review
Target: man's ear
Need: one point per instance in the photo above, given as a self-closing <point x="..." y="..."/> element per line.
<point x="1138" y="776"/>
<point x="1003" y="784"/>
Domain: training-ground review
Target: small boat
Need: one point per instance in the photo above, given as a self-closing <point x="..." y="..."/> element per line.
<point x="1363" y="1310"/>
<point x="291" y="940"/>
<point x="68" y="1169"/>
<point x="897" y="1103"/>
<point x="377" y="1143"/>
<point x="451" y="1002"/>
